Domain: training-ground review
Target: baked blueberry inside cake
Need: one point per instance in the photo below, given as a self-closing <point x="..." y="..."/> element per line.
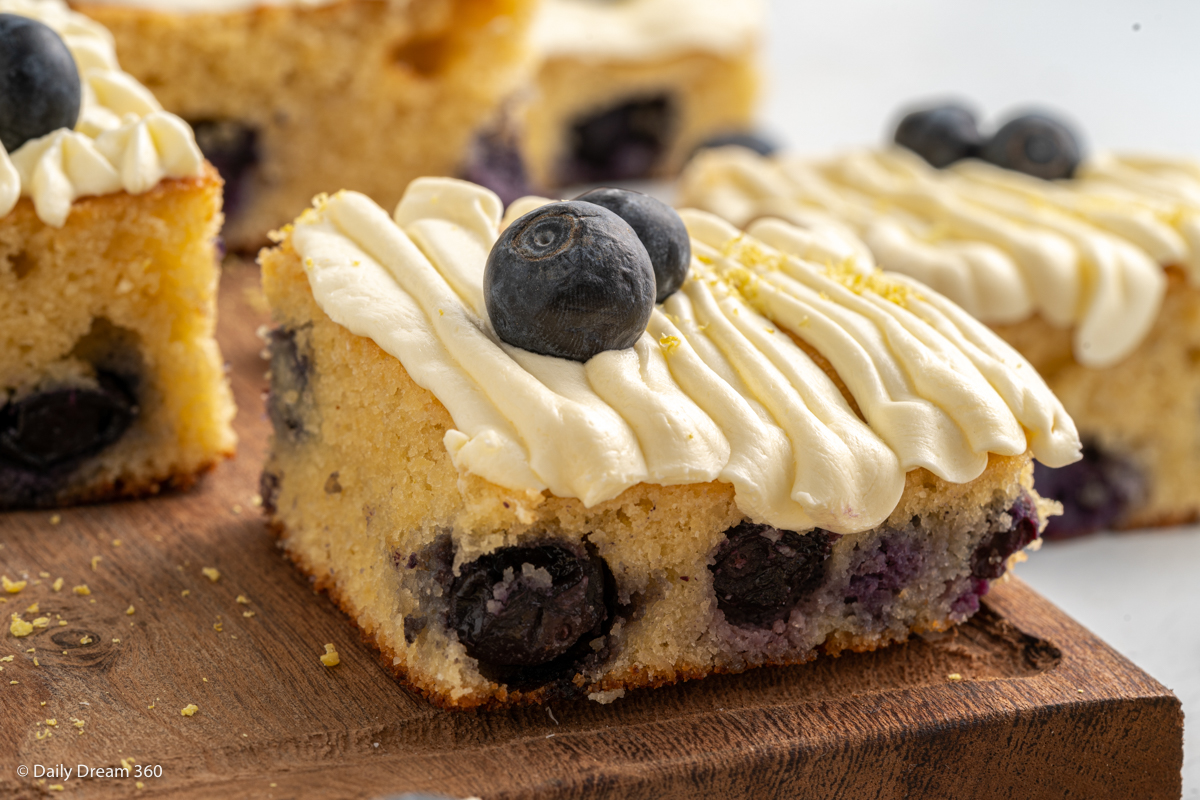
<point x="1087" y="264"/>
<point x="110" y="381"/>
<point x="786" y="457"/>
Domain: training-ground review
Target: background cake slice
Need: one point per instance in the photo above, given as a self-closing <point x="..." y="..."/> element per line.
<point x="628" y="90"/>
<point x="290" y="98"/>
<point x="1091" y="274"/>
<point x="111" y="384"/>
<point x="791" y="459"/>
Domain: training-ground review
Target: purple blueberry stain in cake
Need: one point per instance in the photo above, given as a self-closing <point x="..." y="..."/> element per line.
<point x="569" y="280"/>
<point x="883" y="570"/>
<point x="527" y="606"/>
<point x="620" y="143"/>
<point x="761" y="573"/>
<point x="288" y="399"/>
<point x="1097" y="492"/>
<point x="990" y="559"/>
<point x="495" y="163"/>
<point x="40" y="90"/>
<point x="232" y="147"/>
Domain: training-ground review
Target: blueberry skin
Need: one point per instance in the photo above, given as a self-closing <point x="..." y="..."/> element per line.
<point x="524" y="621"/>
<point x="760" y="573"/>
<point x="61" y="428"/>
<point x="39" y="83"/>
<point x="1037" y="145"/>
<point x="569" y="280"/>
<point x="660" y="230"/>
<point x="751" y="141"/>
<point x="940" y="135"/>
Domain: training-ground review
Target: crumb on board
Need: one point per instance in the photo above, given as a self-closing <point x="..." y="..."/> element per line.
<point x="82" y="590"/>
<point x="241" y="598"/>
<point x="129" y="611"/>
<point x="12" y="587"/>
<point x="57" y="585"/>
<point x="19" y="627"/>
<point x="55" y="519"/>
<point x="189" y="709"/>
<point x="96" y="561"/>
<point x="954" y="676"/>
<point x="247" y="614"/>
<point x="211" y="573"/>
<point x="139" y="785"/>
<point x="330" y="659"/>
<point x="51" y="722"/>
<point x="116" y="543"/>
<point x="32" y="609"/>
<point x="217" y="627"/>
<point x="42" y="735"/>
<point x="185" y="593"/>
<point x="85" y="640"/>
<point x="7" y="658"/>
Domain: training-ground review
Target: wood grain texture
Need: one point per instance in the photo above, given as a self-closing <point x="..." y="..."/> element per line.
<point x="1043" y="710"/>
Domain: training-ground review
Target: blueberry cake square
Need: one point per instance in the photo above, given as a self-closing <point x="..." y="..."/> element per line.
<point x="1088" y="266"/>
<point x="596" y="445"/>
<point x="290" y="97"/>
<point x="629" y="89"/>
<point x="111" y="384"/>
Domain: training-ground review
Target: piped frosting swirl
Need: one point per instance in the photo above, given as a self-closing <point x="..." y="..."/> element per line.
<point x="123" y="139"/>
<point x="715" y="390"/>
<point x="1086" y="253"/>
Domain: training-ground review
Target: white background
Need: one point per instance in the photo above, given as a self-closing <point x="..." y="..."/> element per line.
<point x="838" y="71"/>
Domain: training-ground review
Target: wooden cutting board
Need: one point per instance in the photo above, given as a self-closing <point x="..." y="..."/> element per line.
<point x="1043" y="709"/>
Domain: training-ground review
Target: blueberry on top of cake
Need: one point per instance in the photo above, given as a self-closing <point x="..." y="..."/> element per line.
<point x="792" y="451"/>
<point x="110" y="382"/>
<point x="108" y="134"/>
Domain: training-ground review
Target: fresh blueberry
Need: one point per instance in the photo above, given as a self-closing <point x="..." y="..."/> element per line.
<point x="60" y="427"/>
<point x="40" y="90"/>
<point x="940" y="135"/>
<point x="619" y="143"/>
<point x="525" y="606"/>
<point x="660" y="229"/>
<point x="760" y="573"/>
<point x="569" y="280"/>
<point x="990" y="559"/>
<point x="1097" y="491"/>
<point x="751" y="141"/>
<point x="232" y="148"/>
<point x="1036" y="144"/>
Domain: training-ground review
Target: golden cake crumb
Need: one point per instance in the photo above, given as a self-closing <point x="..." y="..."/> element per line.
<point x="116" y="543"/>
<point x="32" y="609"/>
<point x="330" y="659"/>
<point x="12" y="587"/>
<point x="95" y="561"/>
<point x="7" y="658"/>
<point x="82" y="589"/>
<point x="241" y="598"/>
<point x="185" y="593"/>
<point x="52" y="722"/>
<point x="19" y="627"/>
<point x="41" y="622"/>
<point x="189" y="709"/>
<point x="139" y="785"/>
<point x="211" y="573"/>
<point x="954" y="676"/>
<point x="57" y="585"/>
<point x="55" y="519"/>
<point x="86" y="640"/>
<point x="217" y="627"/>
<point x="129" y="611"/>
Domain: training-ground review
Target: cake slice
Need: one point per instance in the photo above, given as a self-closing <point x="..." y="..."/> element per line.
<point x="779" y="459"/>
<point x="1094" y="276"/>
<point x="289" y="98"/>
<point x="628" y="90"/>
<point x="111" y="384"/>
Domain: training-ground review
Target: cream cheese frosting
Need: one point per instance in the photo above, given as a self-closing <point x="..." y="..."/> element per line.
<point x="123" y="140"/>
<point x="1087" y="253"/>
<point x="640" y="29"/>
<point x="714" y="390"/>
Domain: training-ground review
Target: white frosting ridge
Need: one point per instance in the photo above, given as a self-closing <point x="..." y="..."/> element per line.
<point x="715" y="390"/>
<point x="123" y="140"/>
<point x="640" y="29"/>
<point x="1086" y="253"/>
